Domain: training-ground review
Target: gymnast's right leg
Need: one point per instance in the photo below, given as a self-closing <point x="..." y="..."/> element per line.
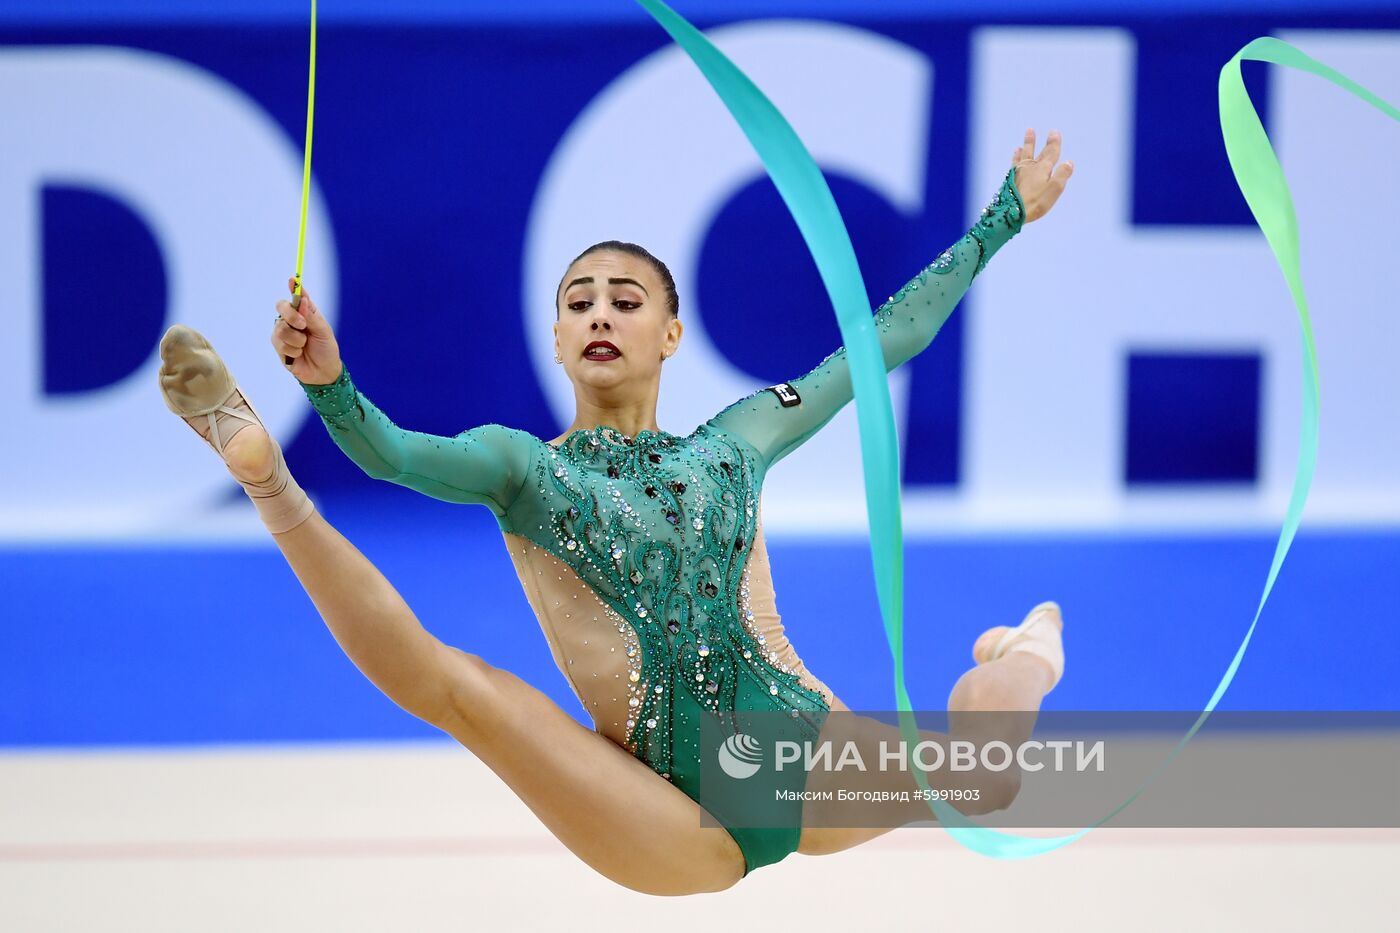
<point x="607" y="807"/>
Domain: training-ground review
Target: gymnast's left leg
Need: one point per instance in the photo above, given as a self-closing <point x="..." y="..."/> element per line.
<point x="996" y="700"/>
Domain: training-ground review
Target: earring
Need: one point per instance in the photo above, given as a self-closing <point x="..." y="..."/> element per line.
<point x="558" y="359"/>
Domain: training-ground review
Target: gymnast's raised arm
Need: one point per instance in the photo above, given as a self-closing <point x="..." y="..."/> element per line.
<point x="485" y="465"/>
<point x="778" y="420"/>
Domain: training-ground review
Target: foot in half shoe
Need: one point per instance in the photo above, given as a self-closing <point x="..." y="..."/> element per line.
<point x="197" y="386"/>
<point x="1038" y="634"/>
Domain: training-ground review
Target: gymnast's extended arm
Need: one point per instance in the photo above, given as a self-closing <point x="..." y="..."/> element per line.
<point x="485" y="465"/>
<point x="778" y="420"/>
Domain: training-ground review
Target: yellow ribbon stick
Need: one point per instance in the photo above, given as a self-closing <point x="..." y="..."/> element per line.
<point x="306" y="164"/>
<point x="305" y="167"/>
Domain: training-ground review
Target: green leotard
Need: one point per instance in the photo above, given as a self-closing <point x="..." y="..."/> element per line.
<point x="659" y="529"/>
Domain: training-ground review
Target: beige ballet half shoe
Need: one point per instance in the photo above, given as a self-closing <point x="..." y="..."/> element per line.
<point x="1038" y="634"/>
<point x="197" y="386"/>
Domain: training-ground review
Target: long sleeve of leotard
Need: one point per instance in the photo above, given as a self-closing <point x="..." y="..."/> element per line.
<point x="777" y="420"/>
<point x="485" y="465"/>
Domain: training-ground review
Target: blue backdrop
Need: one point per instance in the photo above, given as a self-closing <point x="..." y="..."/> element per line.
<point x="435" y="123"/>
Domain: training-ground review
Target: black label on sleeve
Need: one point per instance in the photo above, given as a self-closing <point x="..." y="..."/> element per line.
<point x="786" y="394"/>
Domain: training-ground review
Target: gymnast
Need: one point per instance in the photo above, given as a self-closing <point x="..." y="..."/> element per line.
<point x="641" y="553"/>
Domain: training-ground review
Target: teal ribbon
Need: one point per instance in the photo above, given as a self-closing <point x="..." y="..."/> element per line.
<point x="803" y="188"/>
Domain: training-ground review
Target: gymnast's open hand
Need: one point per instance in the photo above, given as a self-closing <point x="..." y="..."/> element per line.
<point x="303" y="335"/>
<point x="1038" y="180"/>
